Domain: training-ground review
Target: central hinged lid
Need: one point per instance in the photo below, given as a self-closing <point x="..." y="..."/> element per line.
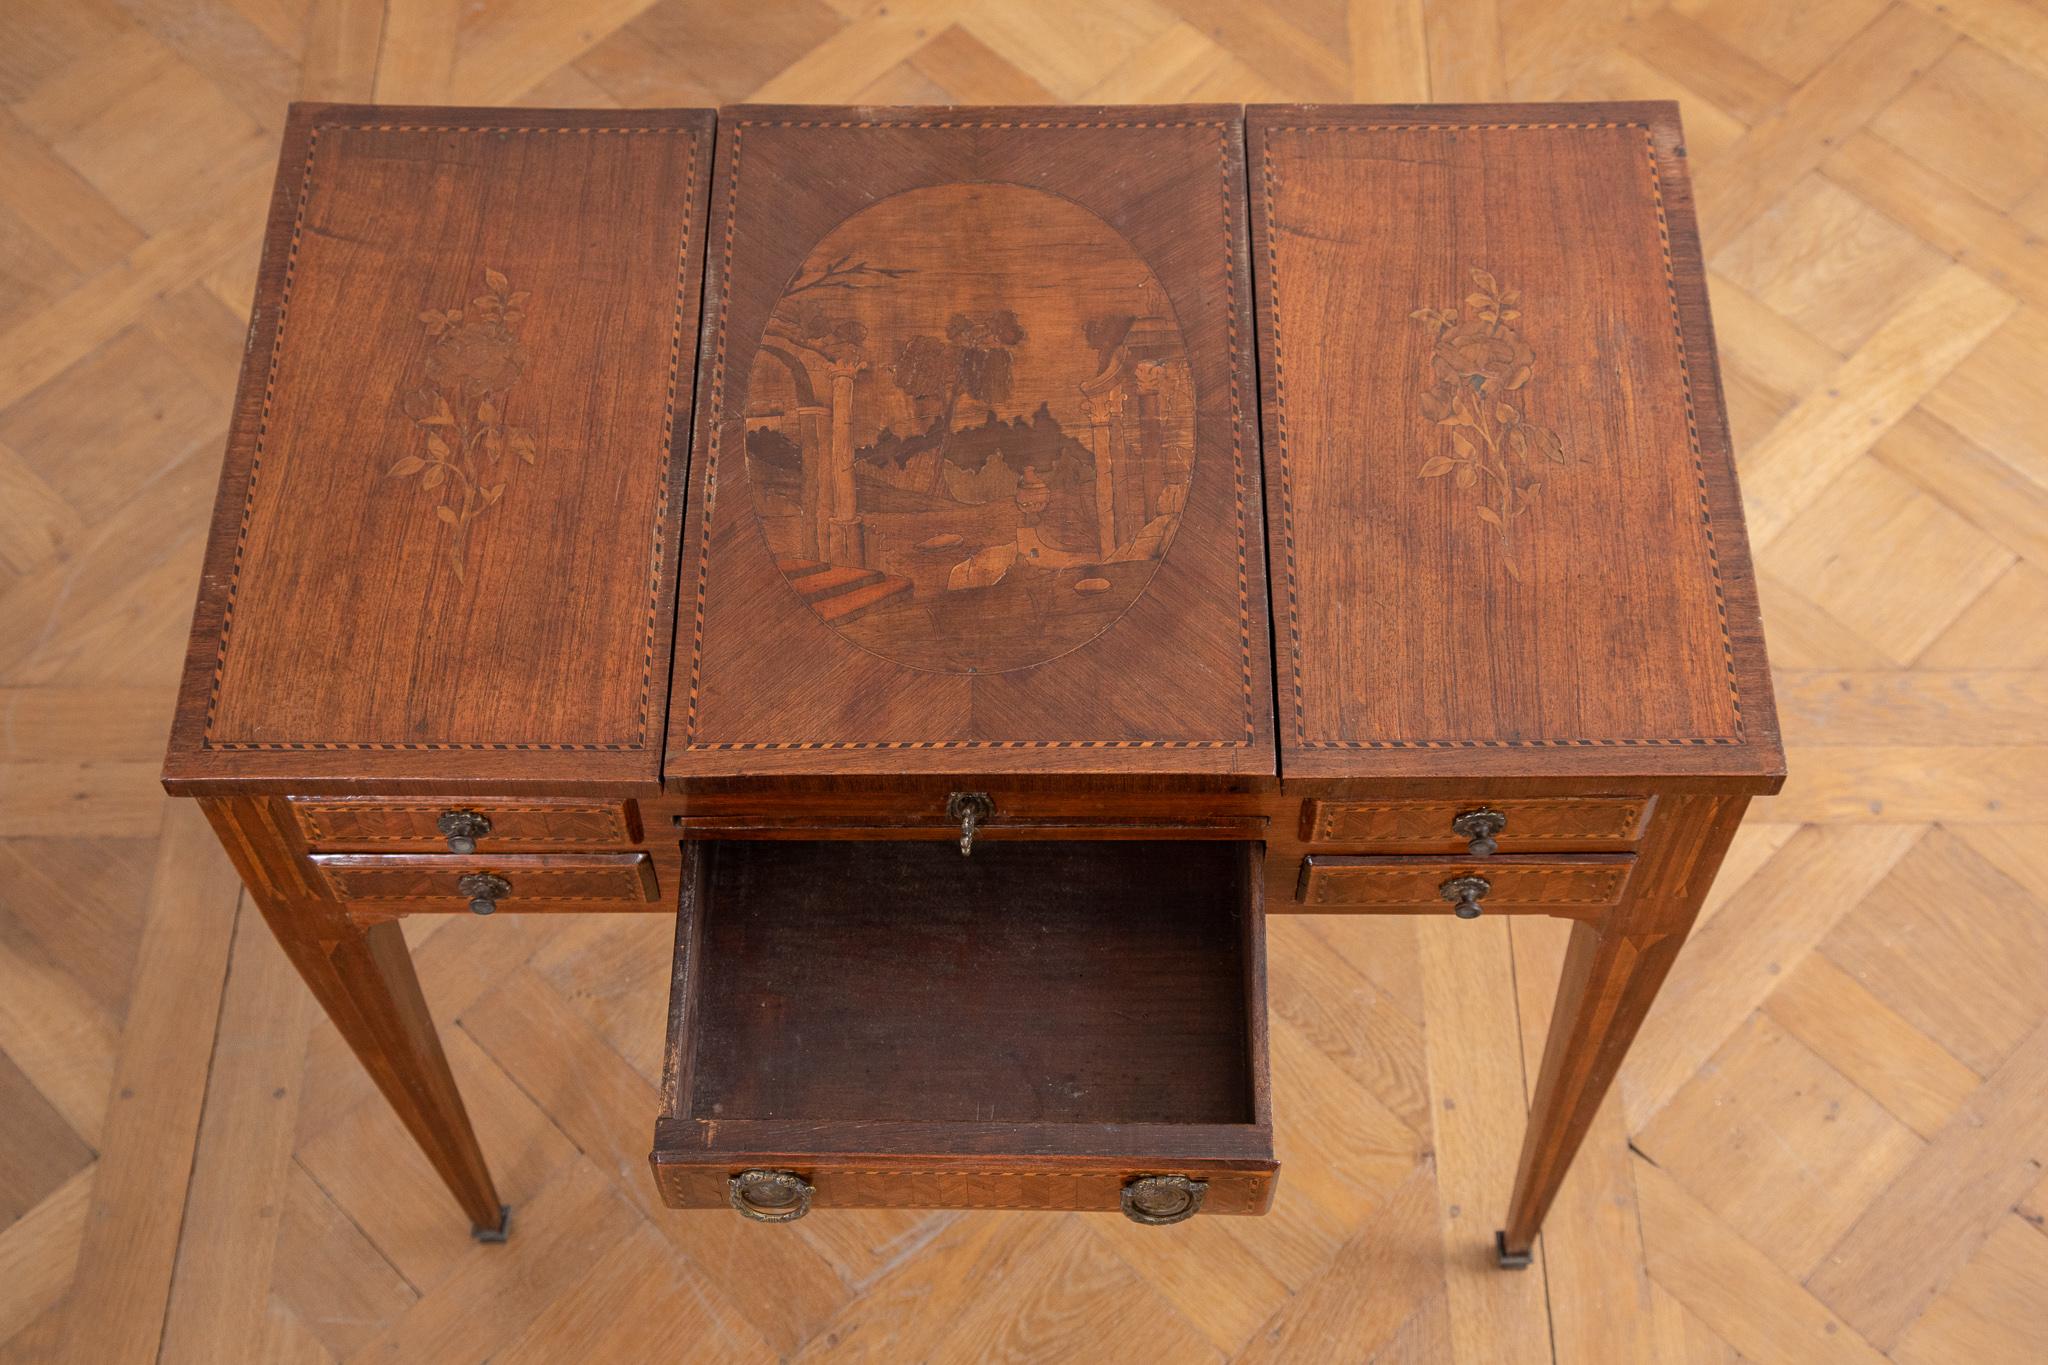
<point x="974" y="488"/>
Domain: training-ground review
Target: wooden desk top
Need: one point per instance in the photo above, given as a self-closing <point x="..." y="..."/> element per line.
<point x="977" y="487"/>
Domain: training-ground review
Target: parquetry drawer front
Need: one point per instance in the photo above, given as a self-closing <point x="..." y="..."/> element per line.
<point x="975" y="816"/>
<point x="463" y="825"/>
<point x="1433" y="825"/>
<point x="861" y="1182"/>
<point x="418" y="883"/>
<point x="1575" y="887"/>
<point x="1056" y="1025"/>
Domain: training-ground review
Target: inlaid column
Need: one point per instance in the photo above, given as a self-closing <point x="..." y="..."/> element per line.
<point x="1104" y="395"/>
<point x="811" y="424"/>
<point x="841" y="527"/>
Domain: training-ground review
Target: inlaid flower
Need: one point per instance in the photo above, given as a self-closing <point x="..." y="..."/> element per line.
<point x="474" y="357"/>
<point x="1479" y="367"/>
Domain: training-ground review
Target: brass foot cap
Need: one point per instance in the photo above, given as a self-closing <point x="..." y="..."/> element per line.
<point x="498" y="1233"/>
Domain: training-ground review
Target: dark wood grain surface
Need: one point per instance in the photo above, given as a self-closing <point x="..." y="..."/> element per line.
<point x="446" y="530"/>
<point x="1048" y="982"/>
<point x="1505" y="527"/>
<point x="973" y="489"/>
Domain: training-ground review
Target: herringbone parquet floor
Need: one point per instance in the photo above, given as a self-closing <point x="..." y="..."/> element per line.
<point x="1830" y="1142"/>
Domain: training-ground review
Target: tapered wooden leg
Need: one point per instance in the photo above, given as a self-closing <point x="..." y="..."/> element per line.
<point x="363" y="977"/>
<point x="1612" y="970"/>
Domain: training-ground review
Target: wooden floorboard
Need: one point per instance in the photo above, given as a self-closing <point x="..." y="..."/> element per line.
<point x="1830" y="1141"/>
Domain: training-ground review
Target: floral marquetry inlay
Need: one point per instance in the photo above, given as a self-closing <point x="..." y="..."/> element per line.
<point x="1479" y="374"/>
<point x="467" y="439"/>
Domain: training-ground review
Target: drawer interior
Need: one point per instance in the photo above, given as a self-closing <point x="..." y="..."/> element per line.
<point x="1033" y="982"/>
<point x="1047" y="1011"/>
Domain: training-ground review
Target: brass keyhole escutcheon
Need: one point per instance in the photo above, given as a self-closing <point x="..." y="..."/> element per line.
<point x="484" y="889"/>
<point x="971" y="809"/>
<point x="1482" y="827"/>
<point x="771" y="1196"/>
<point x="1157" y="1200"/>
<point x="1464" y="894"/>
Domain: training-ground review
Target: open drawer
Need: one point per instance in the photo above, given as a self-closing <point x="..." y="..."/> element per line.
<point x="1045" y="1025"/>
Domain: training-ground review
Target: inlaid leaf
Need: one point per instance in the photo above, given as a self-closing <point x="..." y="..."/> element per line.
<point x="494" y="492"/>
<point x="1438" y="467"/>
<point x="410" y="464"/>
<point x="436" y="444"/>
<point x="487" y="412"/>
<point x="434" y="476"/>
<point x="496" y="279"/>
<point x="446" y="513"/>
<point x="1467" y="475"/>
<point x="1484" y="279"/>
<point x="1492" y="518"/>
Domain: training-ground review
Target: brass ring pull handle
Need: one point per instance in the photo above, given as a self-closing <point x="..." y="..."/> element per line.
<point x="970" y="809"/>
<point x="1464" y="894"/>
<point x="484" y="889"/>
<point x="463" y="828"/>
<point x="1482" y="827"/>
<point x="770" y="1196"/>
<point x="1156" y="1200"/>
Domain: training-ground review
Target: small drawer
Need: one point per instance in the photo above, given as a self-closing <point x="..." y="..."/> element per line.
<point x="983" y="815"/>
<point x="425" y="883"/>
<point x="1547" y="825"/>
<point x="463" y="825"/>
<point x="1579" y="886"/>
<point x="1052" y="1025"/>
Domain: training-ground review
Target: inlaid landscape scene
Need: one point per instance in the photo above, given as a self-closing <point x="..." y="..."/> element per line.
<point x="970" y="428"/>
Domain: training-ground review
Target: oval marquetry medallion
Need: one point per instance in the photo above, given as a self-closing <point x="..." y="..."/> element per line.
<point x="970" y="428"/>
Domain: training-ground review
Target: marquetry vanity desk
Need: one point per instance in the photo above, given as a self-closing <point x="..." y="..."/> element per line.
<point x="1189" y="514"/>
